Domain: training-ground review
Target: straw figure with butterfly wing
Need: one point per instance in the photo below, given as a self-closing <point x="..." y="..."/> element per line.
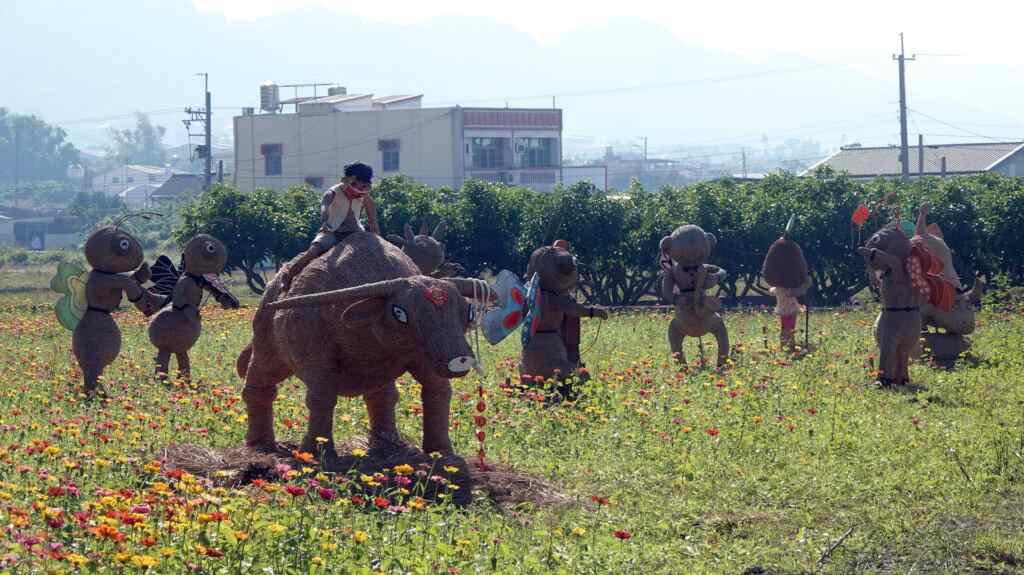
<point x="91" y="297"/>
<point x="177" y="326"/>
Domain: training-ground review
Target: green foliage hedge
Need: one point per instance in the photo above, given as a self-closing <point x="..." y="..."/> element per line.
<point x="616" y="235"/>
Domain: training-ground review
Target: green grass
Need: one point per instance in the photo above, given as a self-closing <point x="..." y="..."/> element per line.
<point x="930" y="480"/>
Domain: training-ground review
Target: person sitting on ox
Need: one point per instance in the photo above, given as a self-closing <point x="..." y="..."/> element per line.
<point x="340" y="210"/>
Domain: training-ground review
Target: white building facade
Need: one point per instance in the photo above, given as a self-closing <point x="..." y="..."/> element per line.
<point x="119" y="179"/>
<point x="395" y="135"/>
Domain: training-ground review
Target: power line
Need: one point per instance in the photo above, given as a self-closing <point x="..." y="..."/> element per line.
<point x="955" y="127"/>
<point x="645" y="87"/>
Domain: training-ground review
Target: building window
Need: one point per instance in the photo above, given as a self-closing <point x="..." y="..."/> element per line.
<point x="489" y="153"/>
<point x="315" y="182"/>
<point x="535" y="152"/>
<point x="389" y="150"/>
<point x="129" y="179"/>
<point x="271" y="159"/>
<point x="116" y="180"/>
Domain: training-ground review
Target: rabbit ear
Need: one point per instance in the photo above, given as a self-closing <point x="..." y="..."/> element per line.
<point x="712" y="240"/>
<point x="440" y="230"/>
<point x="396" y="239"/>
<point x="408" y="234"/>
<point x="423" y="229"/>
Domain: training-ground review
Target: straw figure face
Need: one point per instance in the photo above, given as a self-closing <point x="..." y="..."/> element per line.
<point x="204" y="254"/>
<point x="689" y="245"/>
<point x="556" y="267"/>
<point x="113" y="250"/>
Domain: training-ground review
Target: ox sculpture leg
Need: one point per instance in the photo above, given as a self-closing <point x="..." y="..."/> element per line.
<point x="261" y="379"/>
<point x="436" y="395"/>
<point x="380" y="406"/>
<point x="321" y="398"/>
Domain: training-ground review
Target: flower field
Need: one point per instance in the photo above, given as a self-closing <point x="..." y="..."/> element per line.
<point x="775" y="466"/>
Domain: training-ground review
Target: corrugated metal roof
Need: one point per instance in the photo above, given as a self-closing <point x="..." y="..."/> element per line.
<point x="338" y="99"/>
<point x="155" y="170"/>
<point x="960" y="158"/>
<point x="396" y="98"/>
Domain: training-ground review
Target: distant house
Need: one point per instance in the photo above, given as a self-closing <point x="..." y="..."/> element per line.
<point x="139" y="195"/>
<point x="179" y="187"/>
<point x="1006" y="158"/>
<point x="45" y="233"/>
<point x="119" y="179"/>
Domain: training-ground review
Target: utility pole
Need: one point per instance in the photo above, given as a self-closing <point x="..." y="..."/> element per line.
<point x="744" y="150"/>
<point x="904" y="151"/>
<point x="205" y="117"/>
<point x="17" y="159"/>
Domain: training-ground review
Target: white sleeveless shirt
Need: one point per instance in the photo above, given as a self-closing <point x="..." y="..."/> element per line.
<point x="341" y="209"/>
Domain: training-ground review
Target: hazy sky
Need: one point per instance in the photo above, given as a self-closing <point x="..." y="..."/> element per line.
<point x="850" y="32"/>
<point x="708" y="72"/>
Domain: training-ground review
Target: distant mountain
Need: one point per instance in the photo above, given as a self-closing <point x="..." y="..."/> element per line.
<point x="93" y="60"/>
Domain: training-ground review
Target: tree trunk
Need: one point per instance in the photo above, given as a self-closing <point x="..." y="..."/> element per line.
<point x="254" y="279"/>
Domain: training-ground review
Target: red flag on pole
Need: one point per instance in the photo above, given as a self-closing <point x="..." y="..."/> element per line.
<point x="860" y="215"/>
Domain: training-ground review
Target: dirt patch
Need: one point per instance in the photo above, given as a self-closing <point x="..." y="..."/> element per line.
<point x="240" y="466"/>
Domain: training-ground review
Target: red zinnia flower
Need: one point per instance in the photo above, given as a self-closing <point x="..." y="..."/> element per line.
<point x="380" y="502"/>
<point x="599" y="500"/>
<point x="295" y="490"/>
<point x="620" y="534"/>
<point x="713" y="431"/>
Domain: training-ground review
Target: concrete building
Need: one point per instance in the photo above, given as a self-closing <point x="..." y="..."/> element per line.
<point x="859" y="162"/>
<point x="396" y="135"/>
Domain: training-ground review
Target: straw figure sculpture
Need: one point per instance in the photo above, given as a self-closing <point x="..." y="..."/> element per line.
<point x="785" y="271"/>
<point x="112" y="252"/>
<point x="887" y="255"/>
<point x="426" y="249"/>
<point x="177" y="327"/>
<point x="684" y="256"/>
<point x="545" y="354"/>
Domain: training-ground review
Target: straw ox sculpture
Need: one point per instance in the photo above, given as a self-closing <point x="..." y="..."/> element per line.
<point x="356" y="319"/>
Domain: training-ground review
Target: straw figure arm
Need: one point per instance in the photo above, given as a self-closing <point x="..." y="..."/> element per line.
<point x="922" y="220"/>
<point x="325" y="207"/>
<point x="569" y="306"/>
<point x="371" y="214"/>
<point x="715" y="275"/>
<point x="143" y="300"/>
